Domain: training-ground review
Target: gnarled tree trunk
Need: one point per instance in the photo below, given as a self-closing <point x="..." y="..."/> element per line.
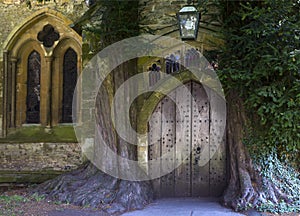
<point x="89" y="185"/>
<point x="247" y="188"/>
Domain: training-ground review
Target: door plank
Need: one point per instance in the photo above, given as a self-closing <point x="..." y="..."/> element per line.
<point x="167" y="145"/>
<point x="154" y="151"/>
<point x="183" y="141"/>
<point x="217" y="151"/>
<point x="200" y="141"/>
<point x="174" y="132"/>
<point x="218" y="171"/>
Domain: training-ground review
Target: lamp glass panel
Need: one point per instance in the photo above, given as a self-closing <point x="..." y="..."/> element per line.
<point x="188" y="24"/>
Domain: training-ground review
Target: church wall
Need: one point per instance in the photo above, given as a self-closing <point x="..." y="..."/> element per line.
<point x="14" y="11"/>
<point x="36" y="162"/>
<point x="35" y="159"/>
<point x="156" y="17"/>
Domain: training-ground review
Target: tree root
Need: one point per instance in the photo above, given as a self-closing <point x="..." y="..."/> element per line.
<point x="252" y="195"/>
<point x="91" y="187"/>
<point x="247" y="187"/>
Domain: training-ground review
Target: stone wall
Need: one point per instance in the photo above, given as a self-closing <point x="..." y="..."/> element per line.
<point x="13" y="12"/>
<point x="159" y="17"/>
<point x="36" y="162"/>
<point x="1" y="94"/>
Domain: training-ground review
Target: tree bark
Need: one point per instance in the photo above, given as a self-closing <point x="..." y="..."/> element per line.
<point x="247" y="188"/>
<point x="89" y="185"/>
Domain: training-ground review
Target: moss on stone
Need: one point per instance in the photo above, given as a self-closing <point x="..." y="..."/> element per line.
<point x="27" y="176"/>
<point x="41" y="134"/>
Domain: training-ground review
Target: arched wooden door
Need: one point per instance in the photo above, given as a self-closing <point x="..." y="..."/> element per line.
<point x="166" y="127"/>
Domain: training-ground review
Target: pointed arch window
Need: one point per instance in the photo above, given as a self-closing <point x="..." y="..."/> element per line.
<point x="33" y="88"/>
<point x="69" y="83"/>
<point x="40" y="69"/>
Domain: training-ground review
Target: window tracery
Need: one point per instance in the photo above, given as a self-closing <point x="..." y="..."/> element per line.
<point x="48" y="35"/>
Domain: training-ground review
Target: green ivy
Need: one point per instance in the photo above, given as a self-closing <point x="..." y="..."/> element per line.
<point x="283" y="176"/>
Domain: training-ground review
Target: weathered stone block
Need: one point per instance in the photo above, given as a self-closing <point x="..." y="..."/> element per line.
<point x="36" y="162"/>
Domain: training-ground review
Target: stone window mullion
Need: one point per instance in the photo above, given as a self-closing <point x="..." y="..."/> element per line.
<point x="46" y="93"/>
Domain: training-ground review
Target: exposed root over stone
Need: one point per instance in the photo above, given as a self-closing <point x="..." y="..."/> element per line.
<point x="250" y="186"/>
<point x="89" y="186"/>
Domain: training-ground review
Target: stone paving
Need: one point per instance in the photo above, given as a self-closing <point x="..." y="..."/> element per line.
<point x="166" y="207"/>
<point x="169" y="207"/>
<point x="184" y="207"/>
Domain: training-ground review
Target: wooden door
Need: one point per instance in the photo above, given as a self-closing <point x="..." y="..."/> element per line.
<point x="178" y="130"/>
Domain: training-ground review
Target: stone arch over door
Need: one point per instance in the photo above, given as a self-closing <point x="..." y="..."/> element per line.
<point x="49" y="33"/>
<point x="203" y="172"/>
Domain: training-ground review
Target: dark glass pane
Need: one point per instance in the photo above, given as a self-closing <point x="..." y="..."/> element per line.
<point x="33" y="88"/>
<point x="69" y="84"/>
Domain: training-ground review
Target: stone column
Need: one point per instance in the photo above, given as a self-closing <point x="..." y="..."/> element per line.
<point x="13" y="91"/>
<point x="142" y="152"/>
<point x="5" y="90"/>
<point x="46" y="93"/>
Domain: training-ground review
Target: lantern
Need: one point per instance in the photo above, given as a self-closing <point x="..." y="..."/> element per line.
<point x="188" y="19"/>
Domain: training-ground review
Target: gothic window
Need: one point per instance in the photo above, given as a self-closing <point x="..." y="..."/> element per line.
<point x="69" y="83"/>
<point x="41" y="63"/>
<point x="154" y="75"/>
<point x="33" y="88"/>
<point x="48" y="35"/>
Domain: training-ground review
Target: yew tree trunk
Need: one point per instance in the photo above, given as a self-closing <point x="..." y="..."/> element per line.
<point x="247" y="188"/>
<point x="89" y="185"/>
